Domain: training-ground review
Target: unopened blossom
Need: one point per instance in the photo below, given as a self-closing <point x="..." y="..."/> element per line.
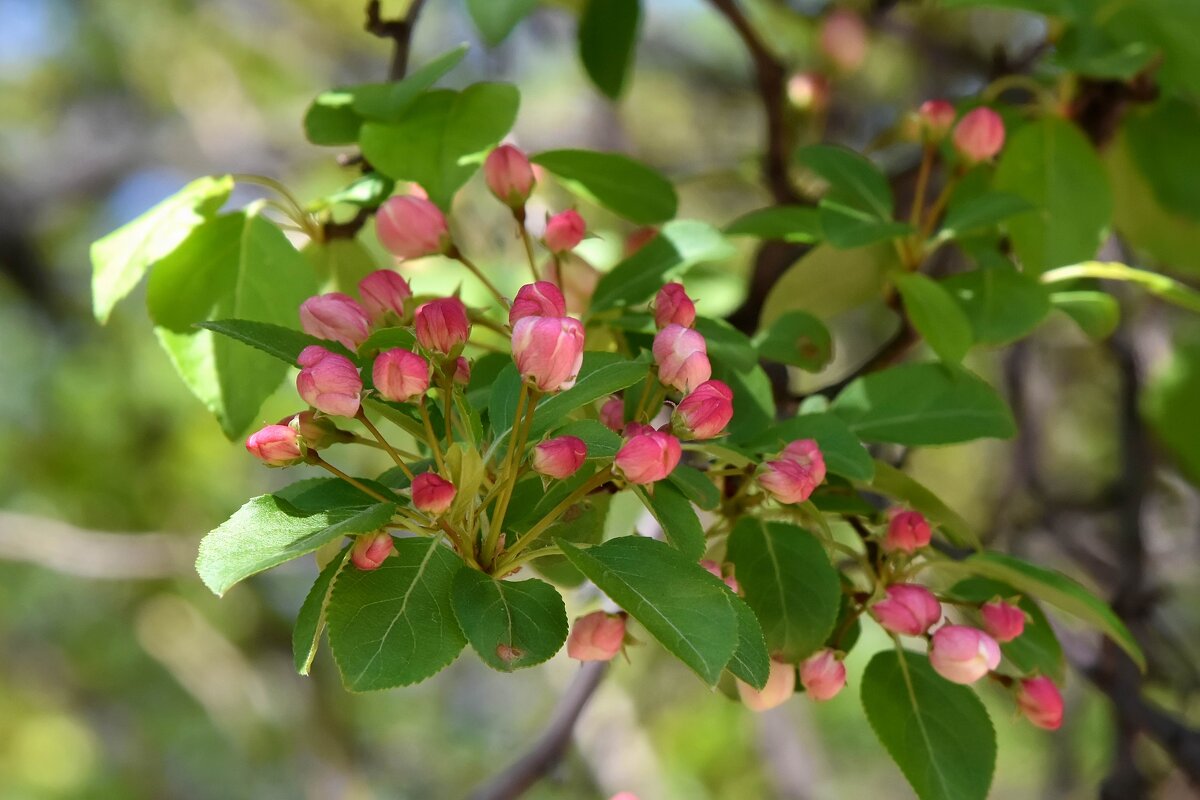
<point x="318" y="432"/>
<point x="538" y="299"/>
<point x="781" y="685"/>
<point x="937" y="118"/>
<point x="908" y="531"/>
<point x="979" y="135"/>
<point x="400" y="375"/>
<point x="908" y="609"/>
<point x="336" y="317"/>
<point x="682" y="358"/>
<point x="612" y="414"/>
<point x="1041" y="702"/>
<point x="648" y="457"/>
<point x="412" y="227"/>
<point x="795" y="475"/>
<point x="705" y="412"/>
<point x="509" y="175"/>
<point x="329" y="382"/>
<point x="596" y="637"/>
<point x="432" y="493"/>
<point x="823" y="675"/>
<point x="383" y="292"/>
<point x="808" y="91"/>
<point x="371" y="549"/>
<point x="462" y="371"/>
<point x="1004" y="621"/>
<point x="275" y="445"/>
<point x="560" y="457"/>
<point x="843" y="40"/>
<point x="548" y="351"/>
<point x="442" y="325"/>
<point x="963" y="655"/>
<point x="564" y="231"/>
<point x="672" y="306"/>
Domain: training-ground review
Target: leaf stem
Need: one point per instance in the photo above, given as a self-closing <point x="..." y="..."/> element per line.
<point x="313" y="458"/>
<point x="431" y="437"/>
<point x="458" y="256"/>
<point x="597" y="480"/>
<point x="527" y="241"/>
<point x="391" y="451"/>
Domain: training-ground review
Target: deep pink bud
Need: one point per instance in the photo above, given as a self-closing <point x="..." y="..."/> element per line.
<point x="937" y="118"/>
<point x="509" y="175"/>
<point x="908" y="609"/>
<point x="370" y="550"/>
<point x="432" y="493"/>
<point x="540" y="299"/>
<point x="648" y="457"/>
<point x="329" y="382"/>
<point x="637" y="239"/>
<point x="335" y="317"/>
<point x="823" y="675"/>
<point x="612" y="414"/>
<point x="624" y="796"/>
<point x="844" y="40"/>
<point x="672" y="306"/>
<point x="442" y="325"/>
<point x="383" y="292"/>
<point x="400" y="375"/>
<point x="462" y="371"/>
<point x="564" y="231"/>
<point x="705" y="412"/>
<point x="412" y="227"/>
<point x="1041" y="702"/>
<point x="908" y="531"/>
<point x="979" y="135"/>
<point x="275" y="445"/>
<point x="682" y="358"/>
<point x="559" y="457"/>
<point x="963" y="655"/>
<point x="596" y="637"/>
<point x="796" y="474"/>
<point x="781" y="685"/>
<point x="1004" y="621"/>
<point x="317" y="432"/>
<point x="548" y="351"/>
<point x="808" y="91"/>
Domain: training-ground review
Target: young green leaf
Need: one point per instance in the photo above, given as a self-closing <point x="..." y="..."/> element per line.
<point x="600" y="441"/>
<point x="339" y="264"/>
<point x="331" y="120"/>
<point x="1162" y="139"/>
<point x="601" y="375"/>
<point x="678" y="519"/>
<point x="1002" y="304"/>
<point x="827" y="281"/>
<point x="853" y="180"/>
<point x="607" y="40"/>
<point x="726" y="344"/>
<point x="617" y="182"/>
<point x="786" y="223"/>
<point x="750" y="661"/>
<point x="796" y="338"/>
<point x="898" y="485"/>
<point x="282" y="343"/>
<point x="696" y="486"/>
<point x="981" y="213"/>
<point x="1096" y="313"/>
<point x="310" y="621"/>
<point x="844" y="226"/>
<point x="680" y="245"/>
<point x="388" y="102"/>
<point x="510" y="624"/>
<point x="1170" y="406"/>
<point x="753" y="400"/>
<point x="936" y="316"/>
<point x="496" y="18"/>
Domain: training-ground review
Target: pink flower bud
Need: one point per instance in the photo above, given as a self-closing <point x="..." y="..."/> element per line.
<point x="400" y="375"/>
<point x="370" y="550"/>
<point x="559" y="457"/>
<point x="317" y="432"/>
<point x="1041" y="702"/>
<point x="979" y="135"/>
<point x="442" y="325"/>
<point x="432" y="493"/>
<point x="596" y="637"/>
<point x="462" y="371"/>
<point x="579" y="280"/>
<point x="612" y="414"/>
<point x="328" y="382"/>
<point x="796" y="474"/>
<point x="844" y="40"/>
<point x="412" y="227"/>
<point x="637" y="239"/>
<point x="937" y="118"/>
<point x="715" y="568"/>
<point x="907" y="531"/>
<point x="540" y="299"/>
<point x="823" y="675"/>
<point x="963" y="655"/>
<point x="564" y="231"/>
<point x="648" y="457"/>
<point x="383" y="292"/>
<point x="705" y="412"/>
<point x="781" y="685"/>
<point x="548" y="351"/>
<point x="908" y="609"/>
<point x="1004" y="621"/>
<point x="672" y="306"/>
<point x="808" y="91"/>
<point x="335" y="317"/>
<point x="509" y="175"/>
<point x="682" y="358"/>
<point x="275" y="446"/>
<point x="624" y="796"/>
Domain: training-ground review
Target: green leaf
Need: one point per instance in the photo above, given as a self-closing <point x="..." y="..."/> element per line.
<point x="394" y="626"/>
<point x="314" y="495"/>
<point x="339" y="264"/>
<point x="331" y="120"/>
<point x="600" y="441"/>
<point x="120" y="259"/>
<point x="365" y="191"/>
<point x="282" y="343"/>
<point x="696" y="486"/>
<point x="726" y="344"/>
<point x="679" y="602"/>
<point x="853" y="180"/>
<point x="1096" y="313"/>
<point x="675" y="515"/>
<point x="617" y="182"/>
<point x="898" y="485"/>
<point x="750" y="662"/>
<point x="679" y="245"/>
<point x="510" y="624"/>
<point x="502" y="405"/>
<point x="938" y="732"/>
<point x="1001" y="303"/>
<point x="827" y="281"/>
<point x="846" y="227"/>
<point x="388" y="339"/>
<point x="923" y="404"/>
<point x="496" y="18"/>
<point x="388" y="102"/>
<point x="1093" y="52"/>
<point x="980" y="213"/>
<point x="443" y="137"/>
<point x="310" y="622"/>
<point x="1169" y="27"/>
<point x="1169" y="405"/>
<point x="844" y="453"/>
<point x="583" y="523"/>
<point x="753" y="400"/>
<point x="601" y="375"/>
<point x="786" y="223"/>
<point x="796" y="338"/>
<point x="607" y="40"/>
<point x="936" y="316"/>
<point x="1037" y="649"/>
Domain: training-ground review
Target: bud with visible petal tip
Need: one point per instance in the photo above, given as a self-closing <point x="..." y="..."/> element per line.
<point x="844" y="40"/>
<point x="672" y="306"/>
<point x="1041" y="702"/>
<point x="462" y="371"/>
<point x="317" y="432"/>
<point x="400" y="375"/>
<point x="336" y="317"/>
<point x="781" y="685"/>
<point x="539" y="299"/>
<point x="937" y="118"/>
<point x="383" y="292"/>
<point x="509" y="175"/>
<point x="442" y="325"/>
<point x="648" y="456"/>
<point x="963" y="655"/>
<point x="908" y="609"/>
<point x="560" y="457"/>
<point x="907" y="531"/>
<point x="682" y="357"/>
<point x="548" y="351"/>
<point x="275" y="446"/>
<point x="795" y="475"/>
<point x="564" y="231"/>
<point x="637" y="239"/>
<point x="705" y="412"/>
<point x="823" y="675"/>
<point x="979" y="135"/>
<point x="596" y="637"/>
<point x="808" y="91"/>
<point x="412" y="227"/>
<point x="371" y="549"/>
<point x="612" y="414"/>
<point x="329" y="382"/>
<point x="1004" y="621"/>
<point x="432" y="493"/>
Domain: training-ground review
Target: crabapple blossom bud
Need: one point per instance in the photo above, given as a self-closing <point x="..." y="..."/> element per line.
<point x="462" y="370"/>
<point x="336" y="317"/>
<point x="317" y="432"/>
<point x="548" y="351"/>
<point x="715" y="568"/>
<point x="612" y="414"/>
<point x="908" y="609"/>
<point x="1041" y="702"/>
<point x="682" y="358"/>
<point x="705" y="412"/>
<point x="673" y="306"/>
<point x="442" y="325"/>
<point x="624" y="796"/>
<point x="844" y="40"/>
<point x="275" y="445"/>
<point x="400" y="375"/>
<point x="979" y="135"/>
<point x="432" y="493"/>
<point x="564" y="231"/>
<point x="795" y="475"/>
<point x="937" y="118"/>
<point x="596" y="637"/>
<point x="648" y="457"/>
<point x="383" y="292"/>
<point x="1004" y="621"/>
<point x="823" y="675"/>
<point x="539" y="299"/>
<point x="908" y="531"/>
<point x="579" y="280"/>
<point x="637" y="239"/>
<point x="559" y="457"/>
<point x="328" y="382"/>
<point x="781" y="684"/>
<point x="963" y="655"/>
<point x="370" y="550"/>
<point x="808" y="91"/>
<point x="509" y="175"/>
<point x="412" y="227"/>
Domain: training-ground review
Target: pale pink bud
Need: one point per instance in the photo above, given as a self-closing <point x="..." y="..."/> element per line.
<point x="823" y="675"/>
<point x="559" y="457"/>
<point x="682" y="358"/>
<point x="844" y="40"/>
<point x="412" y="227"/>
<point x="963" y="655"/>
<point x="370" y="550"/>
<point x="432" y="493"/>
<point x="275" y="445"/>
<point x="907" y="531"/>
<point x="329" y="382"/>
<point x="442" y="325"/>
<point x="979" y="135"/>
<point x="612" y="414"/>
<point x="705" y="412"/>
<point x="648" y="457"/>
<point x="672" y="306"/>
<point x="317" y="432"/>
<point x="548" y="351"/>
<point x="383" y="292"/>
<point x="509" y="175"/>
<point x="335" y="317"/>
<point x="1004" y="621"/>
<point x="781" y="685"/>
<point x="624" y="796"/>
<point x="937" y="118"/>
<point x="808" y="91"/>
<point x="539" y="299"/>
<point x="795" y="475"/>
<point x="596" y="637"/>
<point x="564" y="231"/>
<point x="1041" y="702"/>
<point x="400" y="375"/>
<point x="908" y="609"/>
<point x="462" y="370"/>
<point x="637" y="239"/>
